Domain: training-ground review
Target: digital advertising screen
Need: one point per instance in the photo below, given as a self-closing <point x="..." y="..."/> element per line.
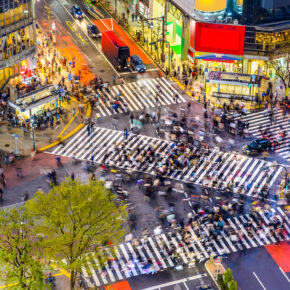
<point x="217" y="38"/>
<point x="210" y="5"/>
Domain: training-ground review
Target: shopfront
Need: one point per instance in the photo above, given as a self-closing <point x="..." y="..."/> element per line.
<point x="237" y="86"/>
<point x="216" y="47"/>
<point x="36" y="102"/>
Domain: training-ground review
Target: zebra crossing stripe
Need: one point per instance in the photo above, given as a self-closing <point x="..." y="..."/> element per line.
<point x="138" y="96"/>
<point x="153" y="249"/>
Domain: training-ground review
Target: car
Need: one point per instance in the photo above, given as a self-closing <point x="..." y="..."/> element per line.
<point x="93" y="31"/>
<point x="137" y="64"/>
<point x="204" y="287"/>
<point x="257" y="146"/>
<point x="76" y="12"/>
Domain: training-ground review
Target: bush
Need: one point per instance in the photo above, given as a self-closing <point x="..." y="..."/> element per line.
<point x="221" y="282"/>
<point x="233" y="285"/>
<point x="228" y="276"/>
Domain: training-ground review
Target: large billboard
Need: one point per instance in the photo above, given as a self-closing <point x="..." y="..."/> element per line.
<point x="210" y="5"/>
<point x="217" y="38"/>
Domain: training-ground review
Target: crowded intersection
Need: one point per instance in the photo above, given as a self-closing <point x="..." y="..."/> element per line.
<point x="144" y="145"/>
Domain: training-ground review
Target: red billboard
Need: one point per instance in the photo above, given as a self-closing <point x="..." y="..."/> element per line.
<point x="217" y="38"/>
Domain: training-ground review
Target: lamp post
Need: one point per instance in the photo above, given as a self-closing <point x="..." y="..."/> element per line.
<point x="162" y="18"/>
<point x="151" y="27"/>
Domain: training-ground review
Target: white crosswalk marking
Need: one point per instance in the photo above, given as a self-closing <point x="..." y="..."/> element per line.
<point x="132" y="261"/>
<point x="137" y="95"/>
<point x="248" y="173"/>
<point x="260" y="121"/>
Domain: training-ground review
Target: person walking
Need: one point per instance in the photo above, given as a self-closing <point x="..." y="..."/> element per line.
<point x="72" y="176"/>
<point x="188" y="107"/>
<point x="89" y="130"/>
<point x="125" y="134"/>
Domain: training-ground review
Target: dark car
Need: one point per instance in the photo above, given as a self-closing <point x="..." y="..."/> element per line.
<point x="204" y="287"/>
<point x="137" y="64"/>
<point x="93" y="31"/>
<point x="257" y="146"/>
<point x="76" y="12"/>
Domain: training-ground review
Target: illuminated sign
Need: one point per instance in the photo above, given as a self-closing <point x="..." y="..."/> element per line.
<point x="217" y="38"/>
<point x="210" y="5"/>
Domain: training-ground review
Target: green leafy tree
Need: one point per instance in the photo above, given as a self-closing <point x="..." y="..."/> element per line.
<point x="233" y="285"/>
<point x="228" y="276"/>
<point x="19" y="248"/>
<point x="76" y="221"/>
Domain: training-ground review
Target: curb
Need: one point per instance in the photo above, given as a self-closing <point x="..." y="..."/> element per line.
<point x="210" y="274"/>
<point x="74" y="131"/>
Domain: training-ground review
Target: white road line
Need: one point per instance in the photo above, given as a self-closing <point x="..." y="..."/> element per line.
<point x="259" y="281"/>
<point x="284" y="275"/>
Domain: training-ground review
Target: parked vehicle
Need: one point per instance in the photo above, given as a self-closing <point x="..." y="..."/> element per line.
<point x="257" y="146"/>
<point x="137" y="63"/>
<point x="76" y="12"/>
<point x="93" y="31"/>
<point x="115" y="50"/>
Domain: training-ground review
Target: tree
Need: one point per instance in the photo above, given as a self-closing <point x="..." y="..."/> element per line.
<point x="19" y="261"/>
<point x="228" y="276"/>
<point x="233" y="285"/>
<point x="282" y="71"/>
<point x="77" y="220"/>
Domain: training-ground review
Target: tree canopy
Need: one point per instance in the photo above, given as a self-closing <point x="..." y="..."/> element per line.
<point x="76" y="220"/>
<point x="19" y="251"/>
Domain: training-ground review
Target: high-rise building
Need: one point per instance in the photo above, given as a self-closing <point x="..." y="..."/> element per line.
<point x="256" y="12"/>
<point x="17" y="38"/>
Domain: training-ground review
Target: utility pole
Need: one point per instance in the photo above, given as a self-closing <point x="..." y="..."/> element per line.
<point x="49" y="13"/>
<point x="163" y="37"/>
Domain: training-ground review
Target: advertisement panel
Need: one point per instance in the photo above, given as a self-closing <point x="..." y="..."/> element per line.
<point x="210" y="5"/>
<point x="217" y="38"/>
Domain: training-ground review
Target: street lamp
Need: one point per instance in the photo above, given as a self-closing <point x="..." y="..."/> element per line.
<point x="151" y="27"/>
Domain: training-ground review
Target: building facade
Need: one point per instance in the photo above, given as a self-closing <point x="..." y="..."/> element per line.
<point x="18" y="43"/>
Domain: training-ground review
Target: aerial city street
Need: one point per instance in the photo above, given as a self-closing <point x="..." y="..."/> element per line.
<point x="144" y="144"/>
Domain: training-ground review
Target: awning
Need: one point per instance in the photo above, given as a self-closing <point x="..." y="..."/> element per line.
<point x="218" y="57"/>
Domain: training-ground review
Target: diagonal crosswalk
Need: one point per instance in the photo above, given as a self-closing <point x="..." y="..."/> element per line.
<point x="138" y="96"/>
<point x="215" y="169"/>
<point x="153" y="253"/>
<point x="259" y="121"/>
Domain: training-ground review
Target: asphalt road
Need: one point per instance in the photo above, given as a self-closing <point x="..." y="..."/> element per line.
<point x="257" y="270"/>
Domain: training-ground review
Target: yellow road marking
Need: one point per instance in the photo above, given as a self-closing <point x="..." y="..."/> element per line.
<point x="70" y="25"/>
<point x="80" y="37"/>
<point x="68" y="124"/>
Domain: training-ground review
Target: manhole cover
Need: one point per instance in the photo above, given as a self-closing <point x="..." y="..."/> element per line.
<point x="6" y="145"/>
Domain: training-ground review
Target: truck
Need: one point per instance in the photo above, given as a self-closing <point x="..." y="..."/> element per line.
<point x="115" y="49"/>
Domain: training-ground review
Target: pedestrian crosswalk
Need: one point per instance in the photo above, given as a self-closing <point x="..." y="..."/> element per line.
<point x="260" y="121"/>
<point x="151" y="254"/>
<point x="138" y="96"/>
<point x="215" y="169"/>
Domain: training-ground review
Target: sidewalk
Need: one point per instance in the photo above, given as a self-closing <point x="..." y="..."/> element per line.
<point x="213" y="270"/>
<point x="50" y="68"/>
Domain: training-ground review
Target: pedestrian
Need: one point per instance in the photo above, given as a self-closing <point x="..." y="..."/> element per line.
<point x="188" y="107"/>
<point x="73" y="111"/>
<point x="72" y="176"/>
<point x="125" y="133"/>
<point x="1" y="194"/>
<point x="92" y="159"/>
<point x="133" y="17"/>
<point x="131" y="119"/>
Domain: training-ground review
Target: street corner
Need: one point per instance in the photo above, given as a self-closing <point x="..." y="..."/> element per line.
<point x="281" y="254"/>
<point x="30" y="168"/>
